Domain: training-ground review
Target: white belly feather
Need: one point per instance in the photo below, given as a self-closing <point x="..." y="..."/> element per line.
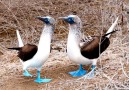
<point x="42" y="54"/>
<point x="73" y="51"/>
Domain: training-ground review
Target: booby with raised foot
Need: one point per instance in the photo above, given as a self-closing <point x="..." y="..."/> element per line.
<point x="85" y="51"/>
<point x="36" y="56"/>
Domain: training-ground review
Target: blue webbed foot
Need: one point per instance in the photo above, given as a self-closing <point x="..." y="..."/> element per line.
<point x="78" y="73"/>
<point x="27" y="74"/>
<point x="40" y="80"/>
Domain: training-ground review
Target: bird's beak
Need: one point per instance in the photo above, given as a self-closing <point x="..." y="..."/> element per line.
<point x="39" y="17"/>
<point x="63" y="18"/>
<point x="44" y="19"/>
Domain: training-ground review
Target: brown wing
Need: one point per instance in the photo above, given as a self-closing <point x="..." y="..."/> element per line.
<point x="94" y="48"/>
<point x="85" y="41"/>
<point x="27" y="52"/>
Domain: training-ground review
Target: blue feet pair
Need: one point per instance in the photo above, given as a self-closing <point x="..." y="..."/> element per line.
<point x="82" y="72"/>
<point x="38" y="79"/>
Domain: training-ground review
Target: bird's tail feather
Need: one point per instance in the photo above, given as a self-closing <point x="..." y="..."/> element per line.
<point x="105" y="35"/>
<point x="112" y="27"/>
<point x="15" y="48"/>
<point x="20" y="42"/>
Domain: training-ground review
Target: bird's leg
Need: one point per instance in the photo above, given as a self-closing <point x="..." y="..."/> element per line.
<point x="27" y="74"/>
<point x="40" y="80"/>
<point x="91" y="73"/>
<point x="79" y="72"/>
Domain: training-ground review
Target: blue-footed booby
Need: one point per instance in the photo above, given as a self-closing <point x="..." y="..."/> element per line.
<point x="36" y="56"/>
<point x="85" y="51"/>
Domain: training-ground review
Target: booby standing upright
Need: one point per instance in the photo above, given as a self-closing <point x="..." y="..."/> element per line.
<point x="88" y="51"/>
<point x="35" y="56"/>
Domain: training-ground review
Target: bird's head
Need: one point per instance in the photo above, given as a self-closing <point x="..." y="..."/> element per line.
<point x="47" y="20"/>
<point x="71" y="19"/>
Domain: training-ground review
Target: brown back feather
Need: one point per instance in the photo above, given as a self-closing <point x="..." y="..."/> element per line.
<point x="27" y="52"/>
<point x="94" y="48"/>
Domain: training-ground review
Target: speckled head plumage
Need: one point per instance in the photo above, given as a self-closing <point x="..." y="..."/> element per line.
<point x="72" y="19"/>
<point x="47" y="20"/>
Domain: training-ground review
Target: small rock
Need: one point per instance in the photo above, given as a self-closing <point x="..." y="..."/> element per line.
<point x="1" y="53"/>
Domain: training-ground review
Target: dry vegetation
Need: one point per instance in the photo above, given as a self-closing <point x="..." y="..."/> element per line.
<point x="112" y="71"/>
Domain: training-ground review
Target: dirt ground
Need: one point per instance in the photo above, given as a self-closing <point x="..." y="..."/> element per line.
<point x="112" y="72"/>
<point x="109" y="72"/>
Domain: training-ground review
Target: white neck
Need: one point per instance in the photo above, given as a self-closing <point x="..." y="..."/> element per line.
<point x="74" y="34"/>
<point x="45" y="39"/>
<point x="73" y="48"/>
<point x="73" y="40"/>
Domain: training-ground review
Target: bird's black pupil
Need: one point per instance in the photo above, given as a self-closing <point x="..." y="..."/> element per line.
<point x="70" y="20"/>
<point x="46" y="20"/>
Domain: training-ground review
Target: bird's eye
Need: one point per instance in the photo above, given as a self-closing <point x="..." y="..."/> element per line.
<point x="46" y="20"/>
<point x="70" y="20"/>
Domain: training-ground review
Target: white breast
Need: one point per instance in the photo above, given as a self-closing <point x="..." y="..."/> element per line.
<point x="42" y="54"/>
<point x="73" y="51"/>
